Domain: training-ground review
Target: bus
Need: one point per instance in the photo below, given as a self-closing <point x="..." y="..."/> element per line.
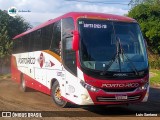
<point x="84" y="58"/>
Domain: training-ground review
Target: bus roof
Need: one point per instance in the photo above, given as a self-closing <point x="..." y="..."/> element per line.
<point x="76" y="15"/>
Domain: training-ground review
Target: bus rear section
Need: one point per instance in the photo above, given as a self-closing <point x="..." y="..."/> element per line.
<point x="89" y="59"/>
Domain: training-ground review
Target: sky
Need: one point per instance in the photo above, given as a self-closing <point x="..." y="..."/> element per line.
<point x="43" y="10"/>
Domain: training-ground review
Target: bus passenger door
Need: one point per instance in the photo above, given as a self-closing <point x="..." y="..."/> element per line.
<point x="68" y="55"/>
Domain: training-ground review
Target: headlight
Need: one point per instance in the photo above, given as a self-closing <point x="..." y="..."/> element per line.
<point x="89" y="87"/>
<point x="144" y="87"/>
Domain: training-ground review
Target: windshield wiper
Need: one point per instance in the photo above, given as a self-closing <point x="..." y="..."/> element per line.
<point x="117" y="55"/>
<point x="124" y="54"/>
<point x="119" y="52"/>
<point x="133" y="66"/>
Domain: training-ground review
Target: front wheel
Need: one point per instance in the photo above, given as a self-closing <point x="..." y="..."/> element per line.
<point x="56" y="95"/>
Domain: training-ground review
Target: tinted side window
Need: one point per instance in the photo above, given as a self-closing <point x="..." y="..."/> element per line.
<point x="18" y="46"/>
<point x="46" y="36"/>
<point x="14" y="46"/>
<point x="68" y="27"/>
<point x="37" y="40"/>
<point x="26" y="43"/>
<point x="56" y="38"/>
<point x="31" y="41"/>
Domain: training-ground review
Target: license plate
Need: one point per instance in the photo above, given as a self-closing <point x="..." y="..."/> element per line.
<point x="121" y="97"/>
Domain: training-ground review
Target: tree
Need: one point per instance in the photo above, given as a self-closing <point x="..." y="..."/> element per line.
<point x="10" y="27"/>
<point x="5" y="43"/>
<point x="15" y="25"/>
<point x="134" y="3"/>
<point x="5" y="47"/>
<point x="148" y="16"/>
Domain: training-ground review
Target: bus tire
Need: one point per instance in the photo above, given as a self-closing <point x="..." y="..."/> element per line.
<point x="23" y="86"/>
<point x="56" y="95"/>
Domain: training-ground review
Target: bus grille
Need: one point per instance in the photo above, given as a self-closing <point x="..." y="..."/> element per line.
<point x="119" y="90"/>
<point x="113" y="99"/>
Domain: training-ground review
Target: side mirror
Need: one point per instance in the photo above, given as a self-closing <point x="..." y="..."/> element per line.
<point x="75" y="41"/>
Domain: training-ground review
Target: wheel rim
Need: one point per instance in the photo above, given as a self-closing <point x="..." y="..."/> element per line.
<point x="58" y="94"/>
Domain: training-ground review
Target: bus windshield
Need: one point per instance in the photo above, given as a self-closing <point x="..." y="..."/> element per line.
<point x="98" y="45"/>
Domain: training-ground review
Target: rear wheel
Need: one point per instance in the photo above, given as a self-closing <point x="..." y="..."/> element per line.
<point x="23" y="84"/>
<point x="56" y="95"/>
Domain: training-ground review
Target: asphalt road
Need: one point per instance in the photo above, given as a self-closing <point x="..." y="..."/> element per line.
<point x="13" y="99"/>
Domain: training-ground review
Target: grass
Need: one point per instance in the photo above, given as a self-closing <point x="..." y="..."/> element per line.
<point x="155" y="77"/>
<point x="4" y="76"/>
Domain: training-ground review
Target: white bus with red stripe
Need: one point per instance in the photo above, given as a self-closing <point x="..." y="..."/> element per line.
<point x="84" y="58"/>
